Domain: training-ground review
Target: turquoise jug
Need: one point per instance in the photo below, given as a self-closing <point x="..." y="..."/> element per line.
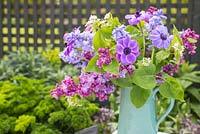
<point x="142" y="120"/>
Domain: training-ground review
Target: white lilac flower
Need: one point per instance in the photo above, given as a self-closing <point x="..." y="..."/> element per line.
<point x="146" y="61"/>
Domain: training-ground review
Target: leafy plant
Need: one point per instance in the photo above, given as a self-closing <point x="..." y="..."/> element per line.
<point x="27" y="107"/>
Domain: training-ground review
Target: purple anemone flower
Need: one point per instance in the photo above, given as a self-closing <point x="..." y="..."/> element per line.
<point x="160" y="37"/>
<point x="135" y="18"/>
<point x="127" y="51"/>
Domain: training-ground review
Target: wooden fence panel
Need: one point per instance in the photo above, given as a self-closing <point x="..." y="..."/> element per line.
<point x="33" y="24"/>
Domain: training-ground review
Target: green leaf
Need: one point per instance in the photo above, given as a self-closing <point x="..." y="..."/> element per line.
<point x="135" y="34"/>
<point x="195" y="92"/>
<point x="185" y="83"/>
<point x="196" y="109"/>
<point x="101" y="38"/>
<point x="139" y="96"/>
<point x="193" y="76"/>
<point x="191" y="40"/>
<point x="144" y="77"/>
<point x="162" y="55"/>
<point x="177" y="43"/>
<point x="113" y="67"/>
<point x="92" y="67"/>
<point x="122" y="82"/>
<point x="171" y="88"/>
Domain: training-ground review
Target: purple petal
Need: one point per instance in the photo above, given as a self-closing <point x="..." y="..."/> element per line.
<point x="157" y="43"/>
<point x="123" y="59"/>
<point x="132" y="44"/>
<point x="120" y="41"/>
<point x="131" y="58"/>
<point x="136" y="53"/>
<point x="154" y="36"/>
<point x="133" y="21"/>
<point x="126" y="41"/>
<point x="129" y="16"/>
<point x="119" y="48"/>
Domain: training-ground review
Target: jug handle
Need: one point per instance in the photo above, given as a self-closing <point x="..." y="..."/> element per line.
<point x="170" y="107"/>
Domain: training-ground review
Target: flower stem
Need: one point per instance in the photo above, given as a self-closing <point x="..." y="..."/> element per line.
<point x="152" y="54"/>
<point x="143" y="39"/>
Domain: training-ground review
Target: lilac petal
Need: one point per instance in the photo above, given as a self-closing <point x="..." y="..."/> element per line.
<point x="65" y="36"/>
<point x="118" y="56"/>
<point x="120" y="41"/>
<point x="157" y="43"/>
<point x="136" y="53"/>
<point x="126" y="41"/>
<point x="123" y="59"/>
<point x="166" y="44"/>
<point x="129" y="16"/>
<point x="132" y="44"/>
<point x="154" y="36"/>
<point x="131" y="58"/>
<point x="119" y="48"/>
<point x="133" y="21"/>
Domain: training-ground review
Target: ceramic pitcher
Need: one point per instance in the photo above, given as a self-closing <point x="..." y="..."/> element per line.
<point x="142" y="120"/>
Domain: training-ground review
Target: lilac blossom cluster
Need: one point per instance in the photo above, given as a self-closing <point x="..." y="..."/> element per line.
<point x="170" y="69"/>
<point x="96" y="83"/>
<point x="79" y="49"/>
<point x="189" y="45"/>
<point x="104" y="58"/>
<point x="68" y="87"/>
<point x="119" y="33"/>
<point x="126" y="69"/>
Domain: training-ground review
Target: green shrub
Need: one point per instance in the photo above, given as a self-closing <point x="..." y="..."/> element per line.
<point x="46" y="65"/>
<point x="27" y="107"/>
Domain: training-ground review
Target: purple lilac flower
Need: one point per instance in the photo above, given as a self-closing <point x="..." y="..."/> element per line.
<point x="160" y="37"/>
<point x="127" y="51"/>
<point x="124" y="69"/>
<point x="67" y="87"/>
<point x="151" y="10"/>
<point x="104" y="58"/>
<point x="136" y="18"/>
<point x="159" y="79"/>
<point x="79" y="49"/>
<point x="97" y="83"/>
<point x="190" y="46"/>
<point x="188" y="127"/>
<point x="119" y="32"/>
<point x="170" y="69"/>
<point x="160" y="13"/>
<point x="156" y="17"/>
<point x="153" y="23"/>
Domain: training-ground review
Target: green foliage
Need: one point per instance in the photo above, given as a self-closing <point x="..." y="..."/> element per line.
<point x="144" y="77"/>
<point x="113" y="67"/>
<point x="102" y="38"/>
<point x="7" y="123"/>
<point x="25" y="103"/>
<point x="92" y="67"/>
<point x="27" y="107"/>
<point x="35" y="65"/>
<point x="162" y="55"/>
<point x="139" y="96"/>
<point x="171" y="88"/>
<point x="23" y="122"/>
<point x="190" y="107"/>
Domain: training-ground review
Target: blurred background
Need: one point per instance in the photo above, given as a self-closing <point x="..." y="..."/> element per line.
<point x="36" y="29"/>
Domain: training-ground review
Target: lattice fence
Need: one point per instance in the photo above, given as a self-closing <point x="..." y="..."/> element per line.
<point x="33" y="24"/>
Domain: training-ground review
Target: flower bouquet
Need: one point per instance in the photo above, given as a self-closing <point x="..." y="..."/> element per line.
<point x="142" y="57"/>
